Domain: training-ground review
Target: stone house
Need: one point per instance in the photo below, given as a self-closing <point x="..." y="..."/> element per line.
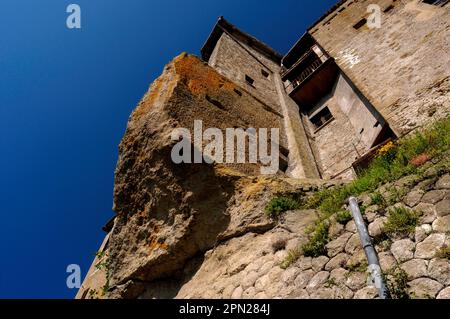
<point x="345" y="87"/>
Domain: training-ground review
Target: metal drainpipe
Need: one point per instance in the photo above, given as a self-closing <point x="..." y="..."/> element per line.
<point x="371" y="255"/>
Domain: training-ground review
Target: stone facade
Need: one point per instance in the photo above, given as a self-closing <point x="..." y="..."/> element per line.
<point x="350" y="133"/>
<point x="235" y="60"/>
<point x="402" y="67"/>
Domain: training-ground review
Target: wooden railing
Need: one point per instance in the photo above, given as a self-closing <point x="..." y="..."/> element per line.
<point x="305" y="73"/>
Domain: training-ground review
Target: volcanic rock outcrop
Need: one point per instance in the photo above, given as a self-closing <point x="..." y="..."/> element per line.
<point x="168" y="214"/>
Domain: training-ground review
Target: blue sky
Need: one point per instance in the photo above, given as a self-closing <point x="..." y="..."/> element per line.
<point x="65" y="98"/>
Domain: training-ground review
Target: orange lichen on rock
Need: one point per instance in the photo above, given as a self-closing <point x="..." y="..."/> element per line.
<point x="155" y="245"/>
<point x="190" y="70"/>
<point x="199" y="77"/>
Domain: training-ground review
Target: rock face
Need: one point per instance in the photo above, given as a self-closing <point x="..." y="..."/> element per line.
<point x="170" y="214"/>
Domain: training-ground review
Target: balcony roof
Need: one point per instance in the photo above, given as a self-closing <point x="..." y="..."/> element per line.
<point x="307" y="40"/>
<point x="288" y="73"/>
<point x="317" y="85"/>
<point x="300" y="47"/>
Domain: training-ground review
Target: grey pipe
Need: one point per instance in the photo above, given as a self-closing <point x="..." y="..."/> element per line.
<point x="372" y="258"/>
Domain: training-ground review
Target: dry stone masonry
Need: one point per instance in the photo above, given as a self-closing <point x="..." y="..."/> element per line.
<point x="252" y="262"/>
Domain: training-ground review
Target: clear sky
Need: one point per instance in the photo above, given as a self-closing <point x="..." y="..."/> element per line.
<point x="65" y="98"/>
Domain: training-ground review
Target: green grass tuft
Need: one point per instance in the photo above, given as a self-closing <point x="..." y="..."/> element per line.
<point x="281" y="204"/>
<point x="397" y="283"/>
<point x="386" y="168"/>
<point x="315" y="247"/>
<point x="401" y="221"/>
<point x="343" y="217"/>
<point x="377" y="199"/>
<point x="444" y="253"/>
<point x="292" y="257"/>
<point x="396" y="195"/>
<point x="358" y="267"/>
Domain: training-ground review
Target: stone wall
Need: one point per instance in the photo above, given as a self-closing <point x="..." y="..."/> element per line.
<point x="402" y="67"/>
<point x="248" y="266"/>
<point x="302" y="163"/>
<point x="246" y="260"/>
<point x="95" y="280"/>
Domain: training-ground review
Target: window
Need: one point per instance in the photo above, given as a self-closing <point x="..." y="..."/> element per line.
<point x="437" y="2"/>
<point x="249" y="80"/>
<point x="329" y="20"/>
<point x="361" y="23"/>
<point x="321" y="118"/>
<point x="265" y="73"/>
<point x="389" y="8"/>
<point x="214" y="102"/>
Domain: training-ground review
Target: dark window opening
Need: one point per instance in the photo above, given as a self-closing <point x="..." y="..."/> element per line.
<point x="283" y="164"/>
<point x="436" y="2"/>
<point x="83" y="296"/>
<point x="329" y="20"/>
<point x="321" y="118"/>
<point x="265" y="73"/>
<point x="238" y="92"/>
<point x="385" y="134"/>
<point x="388" y="9"/>
<point x="214" y="102"/>
<point x="361" y="23"/>
<point x="249" y="80"/>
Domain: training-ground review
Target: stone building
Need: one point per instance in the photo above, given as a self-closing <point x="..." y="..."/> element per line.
<point x="346" y="86"/>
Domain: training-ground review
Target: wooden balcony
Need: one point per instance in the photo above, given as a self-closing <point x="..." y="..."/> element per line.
<point x="312" y="81"/>
<point x="306" y="72"/>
